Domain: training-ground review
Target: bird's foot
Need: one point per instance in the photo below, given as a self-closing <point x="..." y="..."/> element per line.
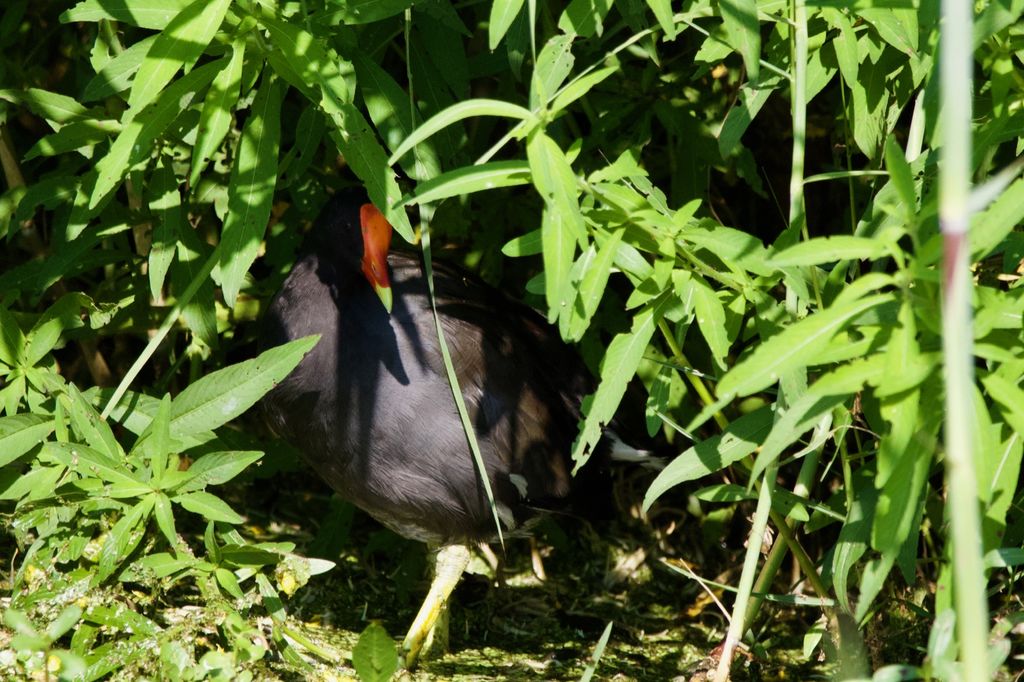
<point x="428" y="633"/>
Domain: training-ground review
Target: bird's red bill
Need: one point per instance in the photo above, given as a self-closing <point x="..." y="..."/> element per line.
<point x="376" y="242"/>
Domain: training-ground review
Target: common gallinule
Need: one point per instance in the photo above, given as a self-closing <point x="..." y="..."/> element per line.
<point x="371" y="408"/>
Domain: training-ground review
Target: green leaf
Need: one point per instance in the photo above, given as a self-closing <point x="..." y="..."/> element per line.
<point x="829" y="249"/>
<point x="1007" y="395"/>
<point x="710" y="319"/>
<point x="208" y="506"/>
<point x="794" y="347"/>
<point x="593" y="283"/>
<point x="374" y="656"/>
<point x="580" y="87"/>
<point x="870" y="100"/>
<point x="228" y="582"/>
<point x="503" y="13"/>
<point x="529" y="244"/>
<point x="663" y="12"/>
<point x="455" y="113"/>
<point x="584" y="17"/>
<point x="123" y="538"/>
<point x="87" y="462"/>
<point x="990" y="228"/>
<point x="740" y="116"/>
<point x="854" y="534"/>
<point x="308" y="65"/>
<point x="999" y="474"/>
<point x="74" y="136"/>
<point x="49" y="105"/>
<point x="619" y="366"/>
<point x="595" y="658"/>
<point x="658" y="400"/>
<point x="178" y="46"/>
<point x="156" y="441"/>
<point x="38" y="481"/>
<point x="248" y="555"/>
<point x="730" y="245"/>
<point x="389" y="107"/>
<point x="1005" y="557"/>
<point x="20" y="623"/>
<point x="152" y="14"/>
<point x="215" y="119"/>
<point x="907" y="367"/>
<point x="897" y="26"/>
<point x="63" y="315"/>
<point x="310" y="131"/>
<point x="66" y="620"/>
<point x="12" y="340"/>
<point x="194" y="262"/>
<point x="739" y="18"/>
<point x="135" y="412"/>
<point x="219" y="397"/>
<point x="902" y="178"/>
<point x="554" y="64"/>
<point x="164" y="516"/>
<point x="165" y="203"/>
<point x="116" y="75"/>
<point x="116" y="617"/>
<point x="210" y="542"/>
<point x="216" y="468"/>
<point x="739" y="439"/>
<point x="844" y="45"/>
<point x="136" y="140"/>
<point x="469" y="180"/>
<point x="19" y="433"/>
<point x="88" y="423"/>
<point x="829" y="391"/>
<point x="562" y="223"/>
<point x="897" y="511"/>
<point x="251" y="189"/>
<point x="355" y="12"/>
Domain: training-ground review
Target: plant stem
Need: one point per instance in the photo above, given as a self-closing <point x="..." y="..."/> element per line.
<point x="737" y="625"/>
<point x="956" y="66"/>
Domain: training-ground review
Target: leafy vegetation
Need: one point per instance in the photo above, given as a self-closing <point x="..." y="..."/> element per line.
<point x="757" y="206"/>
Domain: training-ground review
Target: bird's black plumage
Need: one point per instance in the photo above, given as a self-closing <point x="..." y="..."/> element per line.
<point x="371" y="407"/>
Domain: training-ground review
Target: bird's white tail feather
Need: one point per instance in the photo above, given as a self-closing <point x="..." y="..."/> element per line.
<point x="623" y="452"/>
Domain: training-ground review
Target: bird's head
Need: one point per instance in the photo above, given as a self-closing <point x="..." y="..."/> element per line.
<point x="357" y="236"/>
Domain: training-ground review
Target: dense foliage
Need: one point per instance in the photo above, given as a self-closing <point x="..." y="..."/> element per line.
<point x="736" y="200"/>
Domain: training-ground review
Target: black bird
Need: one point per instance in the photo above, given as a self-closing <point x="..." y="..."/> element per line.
<point x="372" y="410"/>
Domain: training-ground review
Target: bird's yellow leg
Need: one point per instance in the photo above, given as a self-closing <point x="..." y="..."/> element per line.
<point x="430" y="629"/>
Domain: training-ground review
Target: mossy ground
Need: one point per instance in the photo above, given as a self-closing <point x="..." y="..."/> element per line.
<point x="664" y="626"/>
<point x="623" y="570"/>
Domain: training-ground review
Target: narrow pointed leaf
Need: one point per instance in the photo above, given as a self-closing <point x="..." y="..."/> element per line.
<point x="740" y="438"/>
<point x="178" y="46"/>
<point x="743" y="32"/>
<point x="794" y="347"/>
<point x="469" y="180"/>
<point x="219" y="397"/>
<point x="311" y="67"/>
<point x="216" y="468"/>
<point x="208" y="506"/>
<point x="19" y="433"/>
<point x="136" y="140"/>
<point x="619" y="366"/>
<point x="152" y="14"/>
<point x="251" y="190"/>
<point x="215" y="118"/>
<point x="503" y="13"/>
<point x="455" y="113"/>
